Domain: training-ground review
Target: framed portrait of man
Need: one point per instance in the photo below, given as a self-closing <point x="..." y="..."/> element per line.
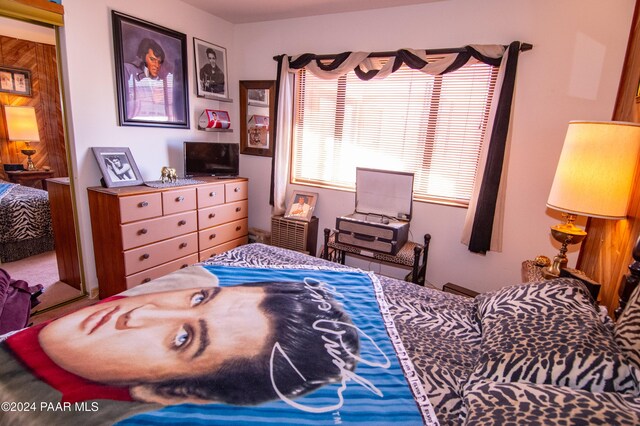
<point x="211" y="70"/>
<point x="301" y="205"/>
<point x="151" y="73"/>
<point x="117" y="166"/>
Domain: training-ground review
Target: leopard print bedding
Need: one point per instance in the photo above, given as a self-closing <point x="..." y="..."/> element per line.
<point x="443" y="335"/>
<point x="25" y="223"/>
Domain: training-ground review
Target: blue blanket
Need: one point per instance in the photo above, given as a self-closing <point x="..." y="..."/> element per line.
<point x="218" y="344"/>
<point x="375" y="393"/>
<point x="5" y="188"/>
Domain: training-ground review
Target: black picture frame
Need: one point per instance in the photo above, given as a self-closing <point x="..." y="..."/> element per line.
<point x="112" y="177"/>
<point x="210" y="89"/>
<point x="16" y="81"/>
<point x="143" y="80"/>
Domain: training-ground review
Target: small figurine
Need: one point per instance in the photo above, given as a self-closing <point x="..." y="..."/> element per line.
<point x="168" y="174"/>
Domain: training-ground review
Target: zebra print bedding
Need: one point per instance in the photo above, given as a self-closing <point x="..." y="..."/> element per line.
<point x="549" y="333"/>
<point x="627" y="330"/>
<point x="446" y="339"/>
<point x="25" y="222"/>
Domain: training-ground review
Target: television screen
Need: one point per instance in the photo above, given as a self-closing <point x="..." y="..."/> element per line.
<point x="211" y="159"/>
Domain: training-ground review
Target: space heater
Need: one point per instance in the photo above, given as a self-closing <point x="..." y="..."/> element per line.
<point x="294" y="234"/>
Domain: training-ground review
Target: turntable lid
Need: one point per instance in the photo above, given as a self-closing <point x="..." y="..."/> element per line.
<point x="384" y="192"/>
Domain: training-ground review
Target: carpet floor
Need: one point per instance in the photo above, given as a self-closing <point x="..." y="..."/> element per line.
<point x="42" y="269"/>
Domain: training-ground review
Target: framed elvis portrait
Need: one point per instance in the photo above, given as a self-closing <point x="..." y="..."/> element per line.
<point x="211" y="70"/>
<point x="301" y="205"/>
<point x="16" y="81"/>
<point x="151" y="73"/>
<point x="117" y="166"/>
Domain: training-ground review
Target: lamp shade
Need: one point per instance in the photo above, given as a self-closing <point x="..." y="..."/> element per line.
<point x="21" y="123"/>
<point x="596" y="169"/>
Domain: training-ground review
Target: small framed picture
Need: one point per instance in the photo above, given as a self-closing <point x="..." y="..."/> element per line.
<point x="301" y="205"/>
<point x="16" y="81"/>
<point x="258" y="97"/>
<point x="211" y="70"/>
<point x="117" y="166"/>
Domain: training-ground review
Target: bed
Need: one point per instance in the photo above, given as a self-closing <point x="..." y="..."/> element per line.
<point x="534" y="353"/>
<point x="25" y="222"/>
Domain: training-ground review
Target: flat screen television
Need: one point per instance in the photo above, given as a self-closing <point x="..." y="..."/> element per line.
<point x="211" y="159"/>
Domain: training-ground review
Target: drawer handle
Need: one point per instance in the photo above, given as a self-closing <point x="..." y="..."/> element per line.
<point x="212" y="236"/>
<point x="182" y="222"/>
<point x="142" y="231"/>
<point x="236" y="189"/>
<point x="238" y="228"/>
<point x="146" y="280"/>
<point x="144" y="256"/>
<point x="212" y="215"/>
<point x="212" y="194"/>
<point x="180" y="199"/>
<point x="238" y="209"/>
<point x="183" y="245"/>
<point x="184" y="266"/>
<point x="143" y="204"/>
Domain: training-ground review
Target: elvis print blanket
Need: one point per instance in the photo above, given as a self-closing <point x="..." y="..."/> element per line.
<point x="218" y="344"/>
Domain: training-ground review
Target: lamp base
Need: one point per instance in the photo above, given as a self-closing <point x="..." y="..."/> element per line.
<point x="29" y="153"/>
<point x="565" y="233"/>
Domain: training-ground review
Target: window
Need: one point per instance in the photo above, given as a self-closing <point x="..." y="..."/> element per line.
<point x="432" y="126"/>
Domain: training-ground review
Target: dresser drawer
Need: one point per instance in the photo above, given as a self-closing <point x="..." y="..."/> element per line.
<point x="138" y="207"/>
<point x="160" y="271"/>
<point x="222" y="234"/>
<point x="176" y="201"/>
<point x="236" y="191"/>
<point x="218" y="215"/>
<point x="210" y="195"/>
<point x="206" y="254"/>
<point x="146" y="257"/>
<point x="144" y="232"/>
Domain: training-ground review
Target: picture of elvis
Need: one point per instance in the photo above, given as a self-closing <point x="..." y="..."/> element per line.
<point x="241" y="345"/>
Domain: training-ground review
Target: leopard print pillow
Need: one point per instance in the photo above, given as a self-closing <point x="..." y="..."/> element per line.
<point x="549" y="333"/>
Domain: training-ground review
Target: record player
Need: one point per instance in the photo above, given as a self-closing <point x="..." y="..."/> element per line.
<point x="382" y="213"/>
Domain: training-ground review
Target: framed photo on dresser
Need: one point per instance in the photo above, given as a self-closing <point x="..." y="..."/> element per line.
<point x="117" y="166"/>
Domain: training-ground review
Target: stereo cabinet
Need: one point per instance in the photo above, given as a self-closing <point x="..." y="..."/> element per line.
<point x="142" y="233"/>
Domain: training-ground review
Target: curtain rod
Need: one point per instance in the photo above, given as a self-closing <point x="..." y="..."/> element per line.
<point x="523" y="48"/>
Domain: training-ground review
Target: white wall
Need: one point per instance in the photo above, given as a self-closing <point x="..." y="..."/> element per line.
<point x="91" y="95"/>
<point x="26" y="31"/>
<point x="572" y="73"/>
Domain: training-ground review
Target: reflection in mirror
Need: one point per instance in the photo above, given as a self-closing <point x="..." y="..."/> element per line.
<point x="257" y="99"/>
<point x="41" y="194"/>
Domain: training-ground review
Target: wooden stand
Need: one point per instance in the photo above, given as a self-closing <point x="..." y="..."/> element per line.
<point x="408" y="256"/>
<point x="64" y="231"/>
<point x="33" y="178"/>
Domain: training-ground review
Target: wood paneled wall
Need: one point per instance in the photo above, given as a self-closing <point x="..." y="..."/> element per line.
<point x="40" y="59"/>
<point x="606" y="253"/>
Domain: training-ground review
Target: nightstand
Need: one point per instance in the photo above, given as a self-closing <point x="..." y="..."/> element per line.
<point x="532" y="273"/>
<point x="32" y="178"/>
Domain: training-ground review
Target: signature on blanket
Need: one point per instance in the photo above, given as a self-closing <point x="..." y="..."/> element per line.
<point x="332" y="338"/>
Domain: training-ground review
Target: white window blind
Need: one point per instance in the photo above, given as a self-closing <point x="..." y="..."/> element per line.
<point x="429" y="125"/>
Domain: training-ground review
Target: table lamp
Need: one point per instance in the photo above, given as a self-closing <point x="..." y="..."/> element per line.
<point x="23" y="127"/>
<point x="594" y="178"/>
